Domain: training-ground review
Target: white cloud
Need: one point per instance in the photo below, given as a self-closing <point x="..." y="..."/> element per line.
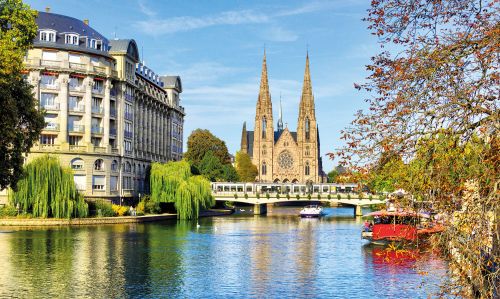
<point x="279" y="34"/>
<point x="206" y="72"/>
<point x="145" y="9"/>
<point x="187" y="23"/>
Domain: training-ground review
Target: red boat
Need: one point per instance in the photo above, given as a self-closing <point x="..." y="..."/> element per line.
<point x="398" y="226"/>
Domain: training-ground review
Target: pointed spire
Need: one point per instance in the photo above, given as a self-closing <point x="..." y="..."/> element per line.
<point x="280" y="117"/>
<point x="264" y="96"/>
<point x="244" y="143"/>
<point x="307" y="99"/>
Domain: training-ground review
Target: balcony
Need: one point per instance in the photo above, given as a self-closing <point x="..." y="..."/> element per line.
<point x="50" y="63"/>
<point x="77" y="148"/>
<point x="129" y="97"/>
<point x="113" y="92"/>
<point x="51" y="86"/>
<point x="77" y="66"/>
<point x="97" y="109"/>
<point x="114" y="150"/>
<point x="76" y="88"/>
<point x="112" y="131"/>
<point x="76" y="128"/>
<point x="112" y="112"/>
<point x="98" y="90"/>
<point x="52" y="107"/>
<point x="100" y="70"/>
<point x="98" y="149"/>
<point x="77" y="108"/>
<point x="128" y="134"/>
<point x="129" y="115"/>
<point x="97" y="130"/>
<point x="51" y="127"/>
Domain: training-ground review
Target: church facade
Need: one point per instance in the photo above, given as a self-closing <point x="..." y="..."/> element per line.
<point x="283" y="156"/>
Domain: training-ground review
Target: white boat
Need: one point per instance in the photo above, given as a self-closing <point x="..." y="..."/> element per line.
<point x="311" y="211"/>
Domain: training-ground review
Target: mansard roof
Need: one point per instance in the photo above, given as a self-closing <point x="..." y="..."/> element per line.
<point x="125" y="46"/>
<point x="172" y="82"/>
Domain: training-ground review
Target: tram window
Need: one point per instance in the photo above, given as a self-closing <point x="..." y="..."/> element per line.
<point x="240" y="188"/>
<point x="219" y="188"/>
<point x="226" y="188"/>
<point x="296" y="189"/>
<point x="325" y="188"/>
<point x="249" y="188"/>
<point x="316" y="189"/>
<point x="347" y="189"/>
<point x="233" y="188"/>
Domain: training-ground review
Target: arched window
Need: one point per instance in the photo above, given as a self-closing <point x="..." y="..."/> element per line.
<point x="264" y="168"/>
<point x="114" y="165"/>
<point x="99" y="164"/>
<point x="48" y="35"/>
<point x="307" y="128"/>
<point x="264" y="127"/>
<point x="77" y="164"/>
<point x="128" y="167"/>
<point x="307" y="170"/>
<point x="308" y="152"/>
<point x="264" y="151"/>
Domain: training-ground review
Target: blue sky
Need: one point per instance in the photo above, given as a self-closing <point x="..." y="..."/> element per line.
<point x="217" y="46"/>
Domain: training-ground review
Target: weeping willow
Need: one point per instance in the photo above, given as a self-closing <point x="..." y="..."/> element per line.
<point x="172" y="182"/>
<point x="48" y="190"/>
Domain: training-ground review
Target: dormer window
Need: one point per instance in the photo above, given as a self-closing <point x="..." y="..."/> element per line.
<point x="48" y="36"/>
<point x="96" y="44"/>
<point x="72" y="39"/>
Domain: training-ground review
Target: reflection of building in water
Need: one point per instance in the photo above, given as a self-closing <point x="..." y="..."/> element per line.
<point x="305" y="254"/>
<point x="260" y="257"/>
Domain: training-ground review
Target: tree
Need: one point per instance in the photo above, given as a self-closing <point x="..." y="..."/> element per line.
<point x="229" y="173"/>
<point x="200" y="142"/>
<point x="20" y="122"/>
<point x="436" y="82"/>
<point x="246" y="170"/>
<point x="211" y="167"/>
<point x="48" y="190"/>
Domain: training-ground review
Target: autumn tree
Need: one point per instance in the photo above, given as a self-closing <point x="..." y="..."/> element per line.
<point x="202" y="141"/>
<point x="436" y="81"/>
<point x="20" y="121"/>
<point x="247" y="171"/>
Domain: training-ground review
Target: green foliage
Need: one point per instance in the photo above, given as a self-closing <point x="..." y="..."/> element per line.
<point x="246" y="170"/>
<point x="339" y="196"/>
<point x="172" y="182"/>
<point x="348" y="196"/>
<point x="288" y="196"/>
<point x="257" y="195"/>
<point x="319" y="196"/>
<point x="103" y="208"/>
<point x="211" y="167"/>
<point x="329" y="196"/>
<point x="235" y="196"/>
<point x="370" y="197"/>
<point x="309" y="196"/>
<point x="277" y="196"/>
<point x="297" y="196"/>
<point x="268" y="195"/>
<point x="229" y="173"/>
<point x="246" y="196"/>
<point x="202" y="141"/>
<point x="48" y="190"/>
<point x="8" y="211"/>
<point x="332" y="176"/>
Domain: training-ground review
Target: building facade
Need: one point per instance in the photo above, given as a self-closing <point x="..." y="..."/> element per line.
<point x="282" y="155"/>
<point x="107" y="116"/>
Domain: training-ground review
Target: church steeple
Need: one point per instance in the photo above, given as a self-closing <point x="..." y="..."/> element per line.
<point x="244" y="141"/>
<point x="307" y="99"/>
<point x="280" y="117"/>
<point x="264" y="100"/>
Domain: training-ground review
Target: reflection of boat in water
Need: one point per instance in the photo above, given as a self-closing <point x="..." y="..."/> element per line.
<point x="399" y="226"/>
<point x="311" y="211"/>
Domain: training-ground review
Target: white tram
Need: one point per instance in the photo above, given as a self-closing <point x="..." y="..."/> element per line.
<point x="282" y="188"/>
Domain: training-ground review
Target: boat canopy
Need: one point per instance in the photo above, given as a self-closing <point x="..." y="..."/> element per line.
<point x="382" y="213"/>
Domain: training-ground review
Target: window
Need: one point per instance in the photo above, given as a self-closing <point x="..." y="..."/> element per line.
<point x="128" y="146"/>
<point x="308" y="152"/>
<point x="49" y="55"/>
<point x="98" y="182"/>
<point x="114" y="165"/>
<point x="48" y="80"/>
<point x="47" y="100"/>
<point x="127" y="183"/>
<point x="264" y="151"/>
<point x="77" y="164"/>
<point x="48" y="139"/>
<point x="97" y="85"/>
<point x="75" y="140"/>
<point x="128" y="167"/>
<point x="96" y="44"/>
<point x="75" y="103"/>
<point x="264" y="125"/>
<point x="48" y="35"/>
<point x="99" y="164"/>
<point x="264" y="168"/>
<point x="75" y="83"/>
<point x="96" y="141"/>
<point x="113" y="183"/>
<point x="71" y="39"/>
<point x="307" y="129"/>
<point x="307" y="170"/>
<point x="80" y="181"/>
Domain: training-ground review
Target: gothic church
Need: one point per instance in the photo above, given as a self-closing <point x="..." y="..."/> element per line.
<point x="284" y="156"/>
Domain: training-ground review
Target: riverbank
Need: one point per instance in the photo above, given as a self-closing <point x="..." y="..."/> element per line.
<point x="103" y="220"/>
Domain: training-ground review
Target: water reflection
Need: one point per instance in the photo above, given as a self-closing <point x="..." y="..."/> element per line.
<point x="238" y="256"/>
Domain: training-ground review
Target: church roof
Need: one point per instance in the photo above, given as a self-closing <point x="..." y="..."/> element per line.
<point x="250" y="142"/>
<point x="277" y="135"/>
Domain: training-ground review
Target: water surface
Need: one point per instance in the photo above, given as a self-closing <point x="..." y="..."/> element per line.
<point x="238" y="256"/>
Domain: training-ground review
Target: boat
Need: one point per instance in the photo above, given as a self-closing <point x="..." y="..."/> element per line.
<point x="399" y="226"/>
<point x="311" y="211"/>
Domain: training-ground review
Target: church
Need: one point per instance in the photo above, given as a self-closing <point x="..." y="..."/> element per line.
<point x="283" y="156"/>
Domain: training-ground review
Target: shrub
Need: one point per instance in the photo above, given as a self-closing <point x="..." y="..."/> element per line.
<point x="120" y="210"/>
<point x="268" y="195"/>
<point x="246" y="196"/>
<point x="329" y="196"/>
<point x="348" y="196"/>
<point x="140" y="209"/>
<point x="258" y="195"/>
<point x="152" y="207"/>
<point x="309" y="196"/>
<point x="339" y="197"/>
<point x="8" y="211"/>
<point x="370" y="197"/>
<point x="297" y="196"/>
<point x="277" y="196"/>
<point x="235" y="196"/>
<point x="104" y="208"/>
<point x="360" y="195"/>
<point x="288" y="196"/>
<point x="381" y="197"/>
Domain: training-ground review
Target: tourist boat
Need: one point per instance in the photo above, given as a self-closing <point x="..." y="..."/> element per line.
<point x="311" y="211"/>
<point x="399" y="226"/>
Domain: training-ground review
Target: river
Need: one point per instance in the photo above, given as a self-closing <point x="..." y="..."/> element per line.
<point x="237" y="256"/>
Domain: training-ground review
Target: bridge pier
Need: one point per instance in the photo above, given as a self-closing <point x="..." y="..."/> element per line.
<point x="358" y="211"/>
<point x="260" y="209"/>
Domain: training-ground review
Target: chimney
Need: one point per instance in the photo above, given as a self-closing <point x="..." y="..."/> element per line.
<point x="86" y="21"/>
<point x="47" y="9"/>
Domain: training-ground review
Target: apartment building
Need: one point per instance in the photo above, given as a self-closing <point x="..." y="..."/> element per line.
<point x="107" y="115"/>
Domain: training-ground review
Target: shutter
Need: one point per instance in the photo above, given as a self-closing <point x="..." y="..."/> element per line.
<point x="99" y="180"/>
<point x="80" y="181"/>
<point x="113" y="183"/>
<point x="46" y="55"/>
